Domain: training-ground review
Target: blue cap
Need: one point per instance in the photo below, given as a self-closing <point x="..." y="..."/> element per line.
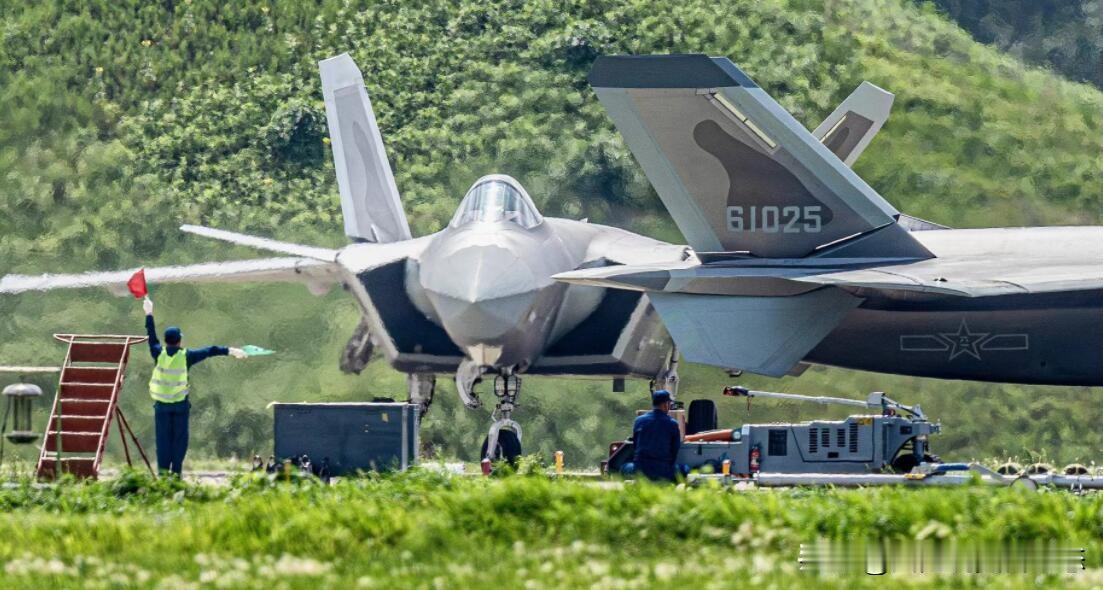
<point x="660" y="396"/>
<point x="173" y="335"/>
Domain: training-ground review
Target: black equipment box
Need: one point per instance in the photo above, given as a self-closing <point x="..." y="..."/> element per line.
<point x="348" y="437"/>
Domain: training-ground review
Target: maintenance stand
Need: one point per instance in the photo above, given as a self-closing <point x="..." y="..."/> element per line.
<point x="86" y="401"/>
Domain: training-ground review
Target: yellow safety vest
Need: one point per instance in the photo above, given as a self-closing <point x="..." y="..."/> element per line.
<point x="169" y="383"/>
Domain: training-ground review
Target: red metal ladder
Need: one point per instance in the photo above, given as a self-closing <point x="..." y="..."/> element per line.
<point x="86" y="401"/>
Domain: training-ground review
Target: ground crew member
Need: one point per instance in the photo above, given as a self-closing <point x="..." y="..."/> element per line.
<point x="656" y="439"/>
<point x="169" y="389"/>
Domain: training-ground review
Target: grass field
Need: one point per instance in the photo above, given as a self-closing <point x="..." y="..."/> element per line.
<point x="428" y="530"/>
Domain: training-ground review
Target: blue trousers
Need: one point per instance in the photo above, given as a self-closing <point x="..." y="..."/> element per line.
<point x="655" y="470"/>
<point x="171" y="423"/>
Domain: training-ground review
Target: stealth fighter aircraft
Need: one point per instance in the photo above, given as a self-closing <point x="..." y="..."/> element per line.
<point x="476" y="298"/>
<point x="473" y="299"/>
<point x="797" y="260"/>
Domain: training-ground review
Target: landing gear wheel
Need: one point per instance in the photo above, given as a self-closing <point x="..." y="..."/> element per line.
<point x="905" y="462"/>
<point x="504" y="430"/>
<point x="509" y="447"/>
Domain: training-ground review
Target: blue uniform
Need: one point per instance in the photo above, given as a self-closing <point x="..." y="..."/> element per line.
<point x="195" y="356"/>
<point x="171" y="420"/>
<point x="656" y="440"/>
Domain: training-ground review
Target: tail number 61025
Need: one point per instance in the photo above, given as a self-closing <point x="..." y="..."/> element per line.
<point x="771" y="219"/>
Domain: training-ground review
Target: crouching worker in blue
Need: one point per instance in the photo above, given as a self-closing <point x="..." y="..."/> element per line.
<point x="656" y="439"/>
<point x="169" y="389"/>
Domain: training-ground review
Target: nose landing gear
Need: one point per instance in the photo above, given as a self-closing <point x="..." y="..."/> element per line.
<point x="504" y="439"/>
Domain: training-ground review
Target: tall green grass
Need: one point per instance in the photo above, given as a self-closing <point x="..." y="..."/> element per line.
<point x="427" y="530"/>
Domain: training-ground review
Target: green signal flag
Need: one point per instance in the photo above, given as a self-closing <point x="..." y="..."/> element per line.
<point x="252" y="350"/>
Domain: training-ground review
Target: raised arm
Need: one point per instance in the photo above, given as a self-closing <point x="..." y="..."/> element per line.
<point x="151" y="330"/>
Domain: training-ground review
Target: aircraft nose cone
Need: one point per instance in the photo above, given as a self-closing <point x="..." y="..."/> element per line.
<point x="480" y="292"/>
<point x="488" y="321"/>
<point x="478" y="273"/>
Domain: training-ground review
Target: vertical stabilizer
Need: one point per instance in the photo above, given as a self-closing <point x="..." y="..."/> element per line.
<point x="736" y="171"/>
<point x="369" y="197"/>
<point x="849" y="129"/>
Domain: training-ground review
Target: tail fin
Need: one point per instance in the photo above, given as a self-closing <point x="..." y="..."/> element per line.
<point x="369" y="197"/>
<point x="849" y="129"/>
<point x="736" y="171"/>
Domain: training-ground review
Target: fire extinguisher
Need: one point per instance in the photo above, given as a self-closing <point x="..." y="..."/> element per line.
<point x="756" y="456"/>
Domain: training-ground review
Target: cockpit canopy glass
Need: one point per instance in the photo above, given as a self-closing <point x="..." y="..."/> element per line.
<point x="496" y="200"/>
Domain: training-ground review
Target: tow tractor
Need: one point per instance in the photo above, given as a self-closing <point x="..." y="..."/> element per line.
<point x="895" y="439"/>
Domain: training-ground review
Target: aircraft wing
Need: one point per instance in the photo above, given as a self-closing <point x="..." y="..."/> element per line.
<point x="950" y="277"/>
<point x="617" y="246"/>
<point x="318" y="268"/>
<point x="764" y="316"/>
<point x="319" y="276"/>
<point x="972" y="277"/>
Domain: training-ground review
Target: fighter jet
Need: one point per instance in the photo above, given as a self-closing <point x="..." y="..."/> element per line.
<point x="797" y="260"/>
<point x="474" y="299"/>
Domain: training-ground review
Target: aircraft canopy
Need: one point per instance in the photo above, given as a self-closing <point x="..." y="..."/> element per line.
<point x="494" y="200"/>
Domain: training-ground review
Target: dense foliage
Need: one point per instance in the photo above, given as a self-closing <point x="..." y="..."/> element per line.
<point x="1066" y="35"/>
<point x="124" y="118"/>
<point x="423" y="530"/>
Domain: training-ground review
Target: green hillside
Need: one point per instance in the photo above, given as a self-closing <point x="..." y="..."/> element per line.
<point x="123" y="119"/>
<point x="1066" y="35"/>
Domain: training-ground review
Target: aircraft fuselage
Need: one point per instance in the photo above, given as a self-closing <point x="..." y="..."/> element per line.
<point x="483" y="293"/>
<point x="489" y="286"/>
<point x="1053" y="338"/>
<point x="1042" y="338"/>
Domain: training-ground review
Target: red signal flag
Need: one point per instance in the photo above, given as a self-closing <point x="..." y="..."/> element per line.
<point x="137" y="284"/>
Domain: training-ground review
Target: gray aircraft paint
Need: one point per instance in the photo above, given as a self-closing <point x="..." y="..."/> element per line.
<point x="912" y="297"/>
<point x="711" y="140"/>
<point x="481" y="291"/>
<point x="477" y="292"/>
<point x="370" y="201"/>
<point x="712" y="330"/>
<point x="849" y="129"/>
